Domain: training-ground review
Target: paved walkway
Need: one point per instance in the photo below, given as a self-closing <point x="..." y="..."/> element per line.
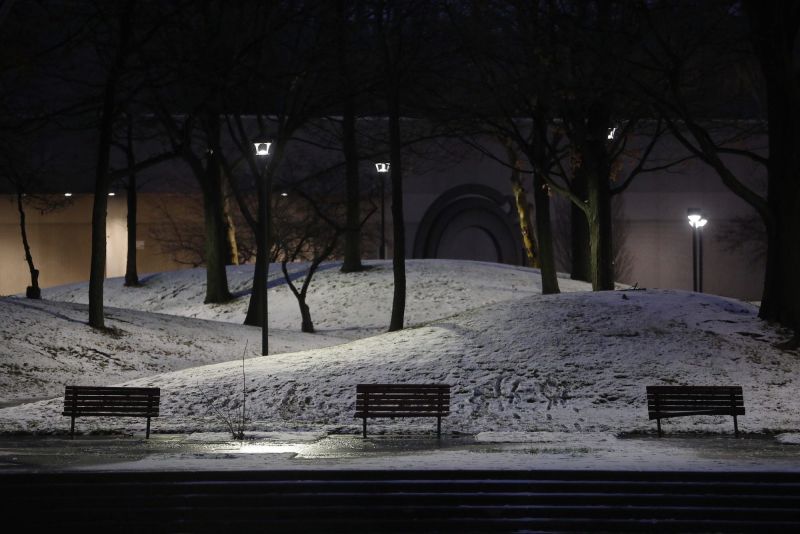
<point x="315" y="451"/>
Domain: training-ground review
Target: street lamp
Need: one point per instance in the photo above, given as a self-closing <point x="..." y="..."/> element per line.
<point x="262" y="149"/>
<point x="697" y="221"/>
<point x="382" y="168"/>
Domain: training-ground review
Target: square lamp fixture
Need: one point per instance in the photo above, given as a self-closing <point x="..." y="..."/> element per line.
<point x="382" y="167"/>
<point x="262" y="149"/>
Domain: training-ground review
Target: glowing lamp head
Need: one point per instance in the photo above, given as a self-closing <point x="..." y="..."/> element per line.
<point x="696" y="218"/>
<point x="262" y="149"/>
<point x="382" y="167"/>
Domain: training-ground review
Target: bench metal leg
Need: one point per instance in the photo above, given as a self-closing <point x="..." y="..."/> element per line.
<point x="72" y="429"/>
<point x="658" y="422"/>
<point x="439" y="427"/>
<point x="735" y="426"/>
<point x="364" y="422"/>
<point x="147" y="435"/>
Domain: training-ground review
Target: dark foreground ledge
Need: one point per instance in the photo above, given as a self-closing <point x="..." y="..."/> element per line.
<point x="403" y="501"/>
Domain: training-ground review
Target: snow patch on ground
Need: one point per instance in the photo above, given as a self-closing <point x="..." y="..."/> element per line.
<point x="788" y="438"/>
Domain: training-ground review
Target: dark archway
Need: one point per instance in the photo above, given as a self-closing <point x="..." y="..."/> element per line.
<point x="470" y="222"/>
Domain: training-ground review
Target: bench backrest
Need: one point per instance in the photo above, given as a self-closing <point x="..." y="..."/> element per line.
<point x="672" y="401"/>
<point x="403" y="400"/>
<point x="112" y="401"/>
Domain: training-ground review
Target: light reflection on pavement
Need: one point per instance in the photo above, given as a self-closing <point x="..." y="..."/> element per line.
<point x="340" y="451"/>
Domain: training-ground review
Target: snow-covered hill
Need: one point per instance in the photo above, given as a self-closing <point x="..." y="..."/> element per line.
<point x="47" y="343"/>
<point x="517" y="361"/>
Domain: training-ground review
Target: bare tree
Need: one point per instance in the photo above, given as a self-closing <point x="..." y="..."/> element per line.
<point x="399" y="32"/>
<point x="714" y="41"/>
<point x="26" y="182"/>
<point x="305" y="232"/>
<point x="123" y="20"/>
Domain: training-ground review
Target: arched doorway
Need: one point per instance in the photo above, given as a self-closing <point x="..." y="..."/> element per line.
<point x="473" y="222"/>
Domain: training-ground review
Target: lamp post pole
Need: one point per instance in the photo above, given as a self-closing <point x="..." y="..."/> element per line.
<point x="382" y="168"/>
<point x="697" y="221"/>
<point x="262" y="149"/>
<point x="694" y="259"/>
<point x="700" y="257"/>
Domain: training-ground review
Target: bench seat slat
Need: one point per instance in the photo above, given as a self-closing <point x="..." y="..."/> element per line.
<point x="401" y="402"/>
<point x="404" y="394"/>
<point x="687" y="400"/>
<point x="391" y="409"/>
<point x="399" y="414"/>
<point x="115" y="401"/>
<point x="684" y="407"/>
<point x="392" y="405"/>
<point x="667" y="415"/>
<point x="111" y="414"/>
<point x="433" y="410"/>
<point x="673" y="390"/>
<point x="400" y="386"/>
<point x="94" y="390"/>
<point x="91" y="409"/>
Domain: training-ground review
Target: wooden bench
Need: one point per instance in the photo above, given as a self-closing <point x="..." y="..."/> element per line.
<point x="680" y="401"/>
<point x="403" y="400"/>
<point x="97" y="401"/>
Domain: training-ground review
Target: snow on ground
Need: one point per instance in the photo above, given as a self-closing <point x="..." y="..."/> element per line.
<point x="47" y="344"/>
<point x="352" y="305"/>
<point x="574" y="362"/>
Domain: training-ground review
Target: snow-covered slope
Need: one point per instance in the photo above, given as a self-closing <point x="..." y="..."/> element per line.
<point x="352" y="304"/>
<point x="47" y="343"/>
<point x="566" y="363"/>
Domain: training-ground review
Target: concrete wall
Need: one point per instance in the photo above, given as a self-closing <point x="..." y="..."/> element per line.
<point x="61" y="241"/>
<point x="652" y="216"/>
<point x="658" y="238"/>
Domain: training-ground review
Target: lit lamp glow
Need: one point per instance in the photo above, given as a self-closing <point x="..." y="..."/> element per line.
<point x="262" y="149"/>
<point x="382" y="167"/>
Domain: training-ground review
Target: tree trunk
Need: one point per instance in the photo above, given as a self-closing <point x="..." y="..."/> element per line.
<point x="590" y="138"/>
<point x="541" y="201"/>
<point x="579" y="233"/>
<point x="214" y="217"/>
<point x="231" y="246"/>
<point x="131" y="272"/>
<point x="599" y="219"/>
<point x="97" y="272"/>
<point x="305" y="313"/>
<point x="521" y="203"/>
<point x="352" y="236"/>
<point x="398" y="222"/>
<point x="544" y="232"/>
<point x="32" y="291"/>
<point x="255" y="307"/>
<point x="775" y="29"/>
